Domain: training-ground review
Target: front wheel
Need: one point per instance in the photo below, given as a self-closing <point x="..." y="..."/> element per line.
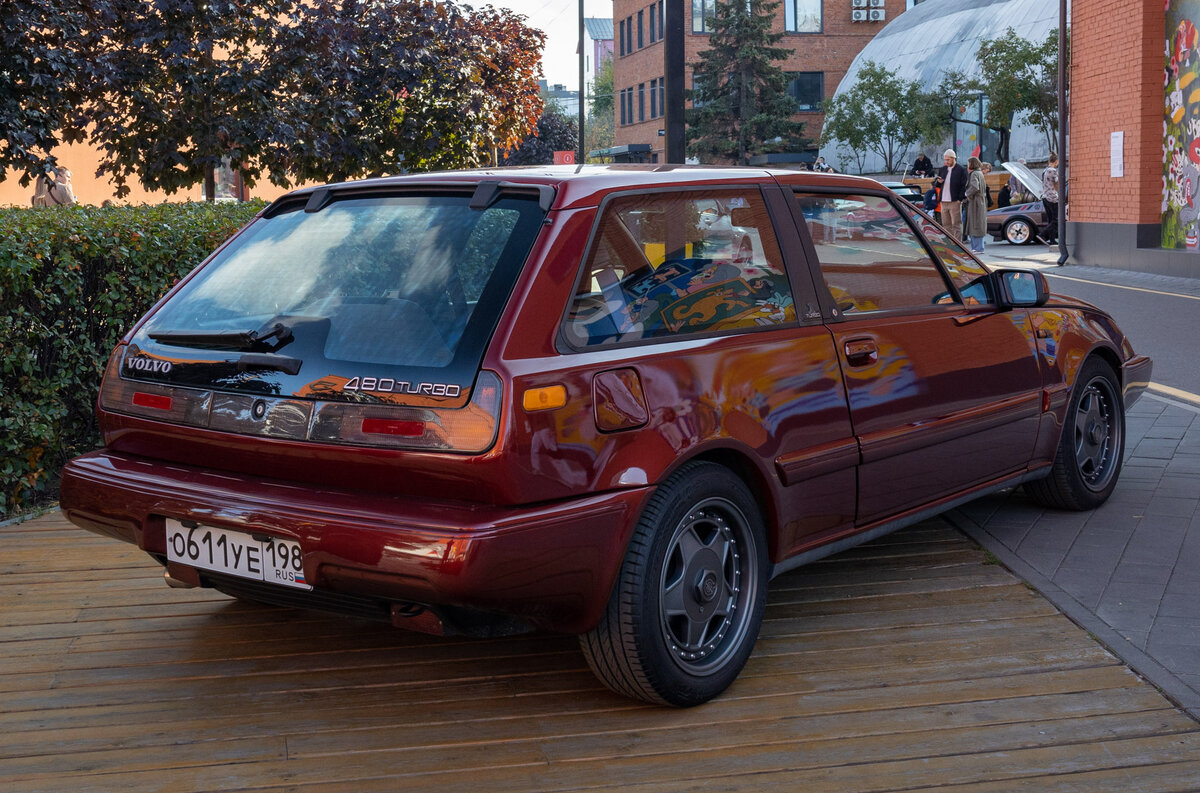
<point x="688" y="602"/>
<point x="1089" y="455"/>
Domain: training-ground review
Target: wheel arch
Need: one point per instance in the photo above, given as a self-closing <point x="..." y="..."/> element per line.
<point x="1109" y="356"/>
<point x="761" y="488"/>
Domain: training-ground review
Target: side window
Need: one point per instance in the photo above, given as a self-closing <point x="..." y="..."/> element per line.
<point x="967" y="274"/>
<point x="870" y="258"/>
<point x="672" y="264"/>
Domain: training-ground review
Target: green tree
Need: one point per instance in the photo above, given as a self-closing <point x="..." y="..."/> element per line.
<point x="555" y="132"/>
<point x="408" y="85"/>
<point x="740" y="106"/>
<point x="1021" y="77"/>
<point x="601" y="123"/>
<point x="305" y="90"/>
<point x="181" y="87"/>
<point x="885" y="115"/>
<point x="42" y="68"/>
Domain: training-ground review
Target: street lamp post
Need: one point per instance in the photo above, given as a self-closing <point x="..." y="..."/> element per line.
<point x="1063" y="115"/>
<point x="673" y="73"/>
<point x="579" y="160"/>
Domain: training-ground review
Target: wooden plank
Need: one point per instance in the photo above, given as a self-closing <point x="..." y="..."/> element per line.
<point x="145" y="704"/>
<point x="907" y="663"/>
<point x="350" y="717"/>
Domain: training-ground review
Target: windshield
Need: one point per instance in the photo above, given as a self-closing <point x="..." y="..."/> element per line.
<point x="393" y="281"/>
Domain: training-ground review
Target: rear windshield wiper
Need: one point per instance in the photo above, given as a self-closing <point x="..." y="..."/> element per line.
<point x="246" y="340"/>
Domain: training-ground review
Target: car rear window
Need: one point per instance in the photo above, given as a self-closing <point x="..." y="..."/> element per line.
<point x="410" y="281"/>
<point x="671" y="264"/>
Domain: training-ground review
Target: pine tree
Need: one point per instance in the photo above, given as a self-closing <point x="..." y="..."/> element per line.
<point x="745" y="102"/>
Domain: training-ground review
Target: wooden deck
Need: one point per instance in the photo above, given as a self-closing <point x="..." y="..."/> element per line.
<point x="909" y="663"/>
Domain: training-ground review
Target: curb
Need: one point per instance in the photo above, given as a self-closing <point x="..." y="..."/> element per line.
<point x="1186" y="698"/>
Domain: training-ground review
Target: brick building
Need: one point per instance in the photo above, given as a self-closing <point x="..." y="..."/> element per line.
<point x="1118" y="122"/>
<point x="822" y="35"/>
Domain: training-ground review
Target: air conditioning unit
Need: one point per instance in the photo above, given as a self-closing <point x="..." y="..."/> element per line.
<point x="858" y="15"/>
<point x="877" y="3"/>
<point x="858" y="3"/>
<point x="878" y="15"/>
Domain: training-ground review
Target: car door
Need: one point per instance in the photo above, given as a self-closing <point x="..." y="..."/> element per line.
<point x="944" y="389"/>
<point x="704" y="296"/>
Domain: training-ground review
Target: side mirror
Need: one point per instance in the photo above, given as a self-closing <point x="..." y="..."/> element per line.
<point x="1020" y="288"/>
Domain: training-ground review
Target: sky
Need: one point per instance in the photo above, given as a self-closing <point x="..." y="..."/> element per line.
<point x="559" y="20"/>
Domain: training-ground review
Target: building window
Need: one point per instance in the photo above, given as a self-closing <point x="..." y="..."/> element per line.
<point x="641" y="102"/>
<point x="802" y="16"/>
<point x="641" y="27"/>
<point x="697" y="95"/>
<point x="628" y="34"/>
<point x="629" y="105"/>
<point x="653" y="25"/>
<point x="702" y="12"/>
<point x="808" y="89"/>
<point x="654" y="98"/>
<point x="662" y="96"/>
<point x="621" y="102"/>
<point x="662" y="28"/>
<point x="621" y="39"/>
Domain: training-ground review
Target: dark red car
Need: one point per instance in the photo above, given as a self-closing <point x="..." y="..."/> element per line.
<point x="583" y="400"/>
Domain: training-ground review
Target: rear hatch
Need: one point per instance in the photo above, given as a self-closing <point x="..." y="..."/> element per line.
<point x="353" y="317"/>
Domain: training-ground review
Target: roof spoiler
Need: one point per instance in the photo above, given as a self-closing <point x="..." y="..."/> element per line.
<point x="485" y="193"/>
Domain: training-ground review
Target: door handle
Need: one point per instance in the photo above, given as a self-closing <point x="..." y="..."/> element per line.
<point x="861" y="352"/>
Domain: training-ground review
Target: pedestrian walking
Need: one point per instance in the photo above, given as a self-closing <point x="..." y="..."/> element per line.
<point x="1050" y="200"/>
<point x="951" y="184"/>
<point x="56" y="191"/>
<point x="976" y="200"/>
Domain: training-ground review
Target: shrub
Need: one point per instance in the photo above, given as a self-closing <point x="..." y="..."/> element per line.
<point x="72" y="280"/>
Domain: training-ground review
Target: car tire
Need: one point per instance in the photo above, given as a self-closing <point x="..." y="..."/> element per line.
<point x="686" y="608"/>
<point x="1088" y="461"/>
<point x="1019" y="231"/>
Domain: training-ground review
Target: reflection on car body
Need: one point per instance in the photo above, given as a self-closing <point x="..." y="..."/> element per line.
<point x="608" y="401"/>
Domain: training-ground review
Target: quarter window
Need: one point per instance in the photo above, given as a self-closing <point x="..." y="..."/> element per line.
<point x="870" y="257"/>
<point x="673" y="264"/>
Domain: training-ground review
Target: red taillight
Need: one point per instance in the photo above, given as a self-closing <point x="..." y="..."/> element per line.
<point x="405" y="429"/>
<point x="151" y="401"/>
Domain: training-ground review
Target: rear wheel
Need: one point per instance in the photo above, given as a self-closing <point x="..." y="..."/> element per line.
<point x="1018" y="231"/>
<point x="1089" y="455"/>
<point x="686" y="608"/>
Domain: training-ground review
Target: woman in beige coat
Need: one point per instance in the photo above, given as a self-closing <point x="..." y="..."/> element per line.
<point x="976" y="195"/>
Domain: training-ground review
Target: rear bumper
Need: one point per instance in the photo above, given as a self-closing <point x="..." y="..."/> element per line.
<point x="550" y="565"/>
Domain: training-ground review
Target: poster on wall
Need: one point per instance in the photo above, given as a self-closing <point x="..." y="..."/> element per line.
<point x="1181" y="128"/>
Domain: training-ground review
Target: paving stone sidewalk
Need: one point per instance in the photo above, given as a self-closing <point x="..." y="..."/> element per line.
<point x="1128" y="572"/>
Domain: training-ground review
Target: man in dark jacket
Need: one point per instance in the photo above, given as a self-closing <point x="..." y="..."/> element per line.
<point x="951" y="184"/>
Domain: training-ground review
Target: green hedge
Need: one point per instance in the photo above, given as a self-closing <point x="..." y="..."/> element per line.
<point x="72" y="280"/>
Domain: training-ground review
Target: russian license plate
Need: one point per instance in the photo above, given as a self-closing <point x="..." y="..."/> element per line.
<point x="259" y="557"/>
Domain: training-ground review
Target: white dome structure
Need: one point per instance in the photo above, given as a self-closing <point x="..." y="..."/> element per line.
<point x="939" y="36"/>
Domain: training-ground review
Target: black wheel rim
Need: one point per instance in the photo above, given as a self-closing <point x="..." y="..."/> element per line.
<point x="709" y="581"/>
<point x="1097" y="433"/>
